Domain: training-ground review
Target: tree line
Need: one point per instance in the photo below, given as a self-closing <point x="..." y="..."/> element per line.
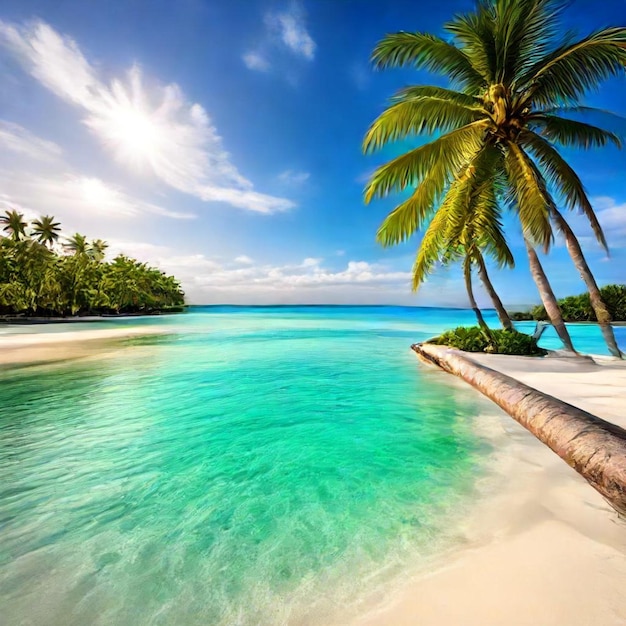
<point x="515" y="97"/>
<point x="580" y="309"/>
<point x="40" y="275"/>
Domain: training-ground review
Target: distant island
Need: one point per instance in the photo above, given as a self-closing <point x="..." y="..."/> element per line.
<point x="41" y="277"/>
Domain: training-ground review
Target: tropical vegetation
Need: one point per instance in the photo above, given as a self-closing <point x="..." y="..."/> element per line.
<point x="580" y="309"/>
<point x="497" y="341"/>
<point x="40" y="275"/>
<point x="514" y="98"/>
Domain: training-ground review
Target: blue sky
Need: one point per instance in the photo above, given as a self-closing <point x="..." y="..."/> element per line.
<point x="221" y="141"/>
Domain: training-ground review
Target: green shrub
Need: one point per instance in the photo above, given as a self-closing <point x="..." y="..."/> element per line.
<point x="475" y="339"/>
<point x="579" y="309"/>
<point x="521" y="316"/>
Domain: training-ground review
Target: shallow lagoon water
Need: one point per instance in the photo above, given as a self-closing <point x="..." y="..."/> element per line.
<point x="256" y="466"/>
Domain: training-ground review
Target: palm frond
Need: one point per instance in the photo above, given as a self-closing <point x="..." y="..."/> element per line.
<point x="575" y="68"/>
<point x="529" y="195"/>
<point x="409" y="216"/>
<point x="432" y="245"/>
<point x="429" y="91"/>
<point x="468" y="214"/>
<point x="447" y="154"/>
<point x="568" y="110"/>
<point x="424" y="51"/>
<point x="416" y="116"/>
<point x="474" y="31"/>
<point x="563" y="179"/>
<point x="524" y="31"/>
<point x="571" y="132"/>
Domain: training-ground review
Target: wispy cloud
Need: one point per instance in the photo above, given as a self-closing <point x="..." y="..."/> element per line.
<point x="361" y="75"/>
<point x="68" y="194"/>
<point x="290" y="28"/>
<point x="293" y="178"/>
<point x="153" y="130"/>
<point x="22" y="142"/>
<point x="284" y="31"/>
<point x="256" y="61"/>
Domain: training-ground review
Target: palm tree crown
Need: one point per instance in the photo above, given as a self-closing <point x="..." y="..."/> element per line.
<point x="46" y="230"/>
<point x="14" y="224"/>
<point x="77" y="244"/>
<point x="97" y="249"/>
<point x="515" y="93"/>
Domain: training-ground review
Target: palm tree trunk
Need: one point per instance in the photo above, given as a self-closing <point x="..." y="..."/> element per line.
<point x="547" y="297"/>
<point x="602" y="313"/>
<point x="505" y="320"/>
<point x="467" y="272"/>
<point x="594" y="448"/>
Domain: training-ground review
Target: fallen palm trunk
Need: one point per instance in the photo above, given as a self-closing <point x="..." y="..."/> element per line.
<point x="596" y="449"/>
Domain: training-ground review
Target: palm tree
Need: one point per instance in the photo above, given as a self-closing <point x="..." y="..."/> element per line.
<point x="14" y="224"/>
<point x="464" y="231"/>
<point x="97" y="250"/>
<point x="516" y="91"/>
<point x="46" y="230"/>
<point x="77" y="244"/>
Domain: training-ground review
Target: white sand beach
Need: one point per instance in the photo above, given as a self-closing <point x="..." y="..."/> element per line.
<point x="45" y="347"/>
<point x="546" y="549"/>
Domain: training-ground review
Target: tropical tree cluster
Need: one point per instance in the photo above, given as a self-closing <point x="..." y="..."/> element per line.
<point x="44" y="276"/>
<point x="579" y="308"/>
<point x="514" y="99"/>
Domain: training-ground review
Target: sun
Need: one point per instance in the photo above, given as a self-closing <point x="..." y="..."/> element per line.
<point x="133" y="134"/>
<point x="135" y="131"/>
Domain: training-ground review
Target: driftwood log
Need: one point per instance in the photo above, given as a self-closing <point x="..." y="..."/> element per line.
<point x="595" y="448"/>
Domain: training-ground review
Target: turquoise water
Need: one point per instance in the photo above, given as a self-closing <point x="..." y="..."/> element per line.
<point x="255" y="466"/>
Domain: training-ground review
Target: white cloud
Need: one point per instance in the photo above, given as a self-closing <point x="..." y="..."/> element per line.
<point x="612" y="215"/>
<point x="20" y="141"/>
<point x="256" y="61"/>
<point x="68" y="195"/>
<point x="152" y="130"/>
<point x="293" y="178"/>
<point x="290" y="28"/>
<point x="240" y="281"/>
<point x="285" y="30"/>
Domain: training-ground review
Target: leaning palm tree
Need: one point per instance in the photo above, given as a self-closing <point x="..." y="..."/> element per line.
<point x="515" y="93"/>
<point x="46" y="230"/>
<point x="14" y="224"/>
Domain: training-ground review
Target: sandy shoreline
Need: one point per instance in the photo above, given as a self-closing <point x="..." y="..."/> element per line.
<point x="541" y="548"/>
<point x="46" y="347"/>
<point x="544" y="548"/>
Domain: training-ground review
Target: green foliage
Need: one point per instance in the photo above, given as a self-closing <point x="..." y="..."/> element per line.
<point x="579" y="309"/>
<point x="37" y="280"/>
<point x="521" y="316"/>
<point x="475" y="339"/>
